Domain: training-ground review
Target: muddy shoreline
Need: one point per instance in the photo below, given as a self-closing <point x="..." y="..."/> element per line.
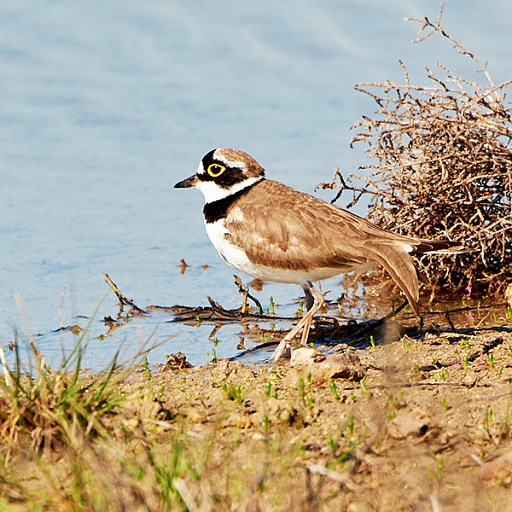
<point x="406" y="424"/>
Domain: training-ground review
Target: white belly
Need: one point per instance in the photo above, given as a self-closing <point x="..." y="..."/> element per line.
<point x="237" y="258"/>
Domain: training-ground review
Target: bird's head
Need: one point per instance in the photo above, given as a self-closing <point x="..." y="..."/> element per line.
<point x="223" y="172"/>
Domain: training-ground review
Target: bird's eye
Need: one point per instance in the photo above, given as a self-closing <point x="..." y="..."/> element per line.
<point x="215" y="170"/>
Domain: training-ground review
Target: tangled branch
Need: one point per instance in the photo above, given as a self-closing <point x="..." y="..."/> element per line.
<point x="442" y="169"/>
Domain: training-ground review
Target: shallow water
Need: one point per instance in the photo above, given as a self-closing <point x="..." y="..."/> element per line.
<point x="105" y="106"/>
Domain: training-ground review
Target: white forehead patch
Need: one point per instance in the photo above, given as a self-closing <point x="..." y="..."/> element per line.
<point x="200" y="169"/>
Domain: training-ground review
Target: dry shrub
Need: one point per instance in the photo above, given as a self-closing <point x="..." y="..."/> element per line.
<point x="443" y="169"/>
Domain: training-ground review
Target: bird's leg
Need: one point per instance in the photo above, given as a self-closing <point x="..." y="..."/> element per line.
<point x="315" y="302"/>
<point x="310" y="299"/>
<point x="244" y="290"/>
<point x="243" y="309"/>
<point x="305" y="322"/>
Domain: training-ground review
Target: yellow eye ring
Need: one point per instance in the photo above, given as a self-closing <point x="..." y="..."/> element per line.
<point x="215" y="170"/>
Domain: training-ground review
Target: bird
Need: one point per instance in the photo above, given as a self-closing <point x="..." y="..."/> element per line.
<point x="276" y="233"/>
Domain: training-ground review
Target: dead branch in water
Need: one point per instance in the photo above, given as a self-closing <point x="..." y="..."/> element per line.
<point x="123" y="300"/>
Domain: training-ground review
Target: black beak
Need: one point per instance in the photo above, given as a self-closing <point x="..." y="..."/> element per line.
<point x="187" y="183"/>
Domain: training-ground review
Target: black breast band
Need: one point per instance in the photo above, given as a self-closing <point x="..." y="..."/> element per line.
<point x="219" y="209"/>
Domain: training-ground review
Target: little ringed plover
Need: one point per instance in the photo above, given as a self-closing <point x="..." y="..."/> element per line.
<point x="276" y="233"/>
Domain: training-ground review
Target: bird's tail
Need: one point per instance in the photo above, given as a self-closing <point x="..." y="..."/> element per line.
<point x="400" y="267"/>
<point x="439" y="247"/>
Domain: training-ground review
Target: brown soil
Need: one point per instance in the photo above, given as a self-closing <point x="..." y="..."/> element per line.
<point x="408" y="424"/>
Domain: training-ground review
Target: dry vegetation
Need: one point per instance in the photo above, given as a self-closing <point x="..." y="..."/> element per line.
<point x="421" y="424"/>
<point x="442" y="161"/>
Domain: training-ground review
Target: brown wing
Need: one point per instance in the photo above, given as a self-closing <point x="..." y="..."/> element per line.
<point x="296" y="231"/>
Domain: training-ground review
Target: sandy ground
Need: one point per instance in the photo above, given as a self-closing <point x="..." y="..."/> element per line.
<point x="404" y="419"/>
<point x="416" y="423"/>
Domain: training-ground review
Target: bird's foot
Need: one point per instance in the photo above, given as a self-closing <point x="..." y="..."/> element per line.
<point x="282" y="350"/>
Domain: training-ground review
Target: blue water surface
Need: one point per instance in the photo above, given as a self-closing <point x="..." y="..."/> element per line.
<point x="105" y="105"/>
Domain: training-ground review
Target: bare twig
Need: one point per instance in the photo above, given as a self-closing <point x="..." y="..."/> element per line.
<point x="340" y="478"/>
<point x="122" y="299"/>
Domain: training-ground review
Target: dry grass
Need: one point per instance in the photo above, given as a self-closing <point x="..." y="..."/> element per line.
<point x="442" y="162"/>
